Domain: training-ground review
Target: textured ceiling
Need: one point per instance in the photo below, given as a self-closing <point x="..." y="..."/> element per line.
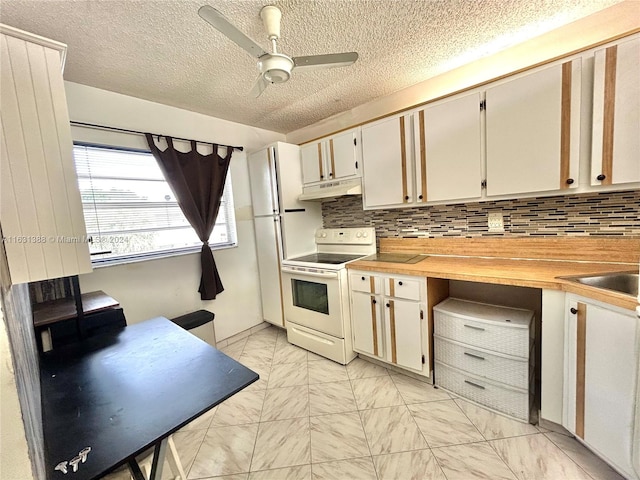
<point x="161" y="50"/>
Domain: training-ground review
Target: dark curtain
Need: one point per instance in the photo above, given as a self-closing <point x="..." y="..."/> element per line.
<point x="198" y="182"/>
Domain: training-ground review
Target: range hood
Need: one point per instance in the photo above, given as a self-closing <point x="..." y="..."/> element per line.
<point x="332" y="189"/>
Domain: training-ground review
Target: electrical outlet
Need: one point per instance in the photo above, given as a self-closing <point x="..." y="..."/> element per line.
<point x="496" y="222"/>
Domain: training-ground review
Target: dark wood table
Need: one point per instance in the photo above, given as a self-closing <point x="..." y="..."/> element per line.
<point x="121" y="393"/>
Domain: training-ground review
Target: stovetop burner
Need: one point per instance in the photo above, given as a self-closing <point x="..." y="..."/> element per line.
<point x="327" y="258"/>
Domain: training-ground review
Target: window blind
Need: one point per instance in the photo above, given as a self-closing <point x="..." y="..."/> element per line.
<point x="130" y="211"/>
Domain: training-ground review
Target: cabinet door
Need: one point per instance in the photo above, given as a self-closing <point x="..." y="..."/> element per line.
<point x="448" y="162"/>
<point x="366" y="323"/>
<point x="533" y="131"/>
<point x="288" y="180"/>
<point x="405" y="325"/>
<point x="600" y="395"/>
<point x="616" y="114"/>
<point x="268" y="231"/>
<point x="343" y="155"/>
<point x="385" y="155"/>
<point x="39" y="194"/>
<point x="261" y="178"/>
<point x="312" y="158"/>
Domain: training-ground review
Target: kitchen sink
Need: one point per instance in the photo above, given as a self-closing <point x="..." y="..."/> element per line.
<point x="622" y="282"/>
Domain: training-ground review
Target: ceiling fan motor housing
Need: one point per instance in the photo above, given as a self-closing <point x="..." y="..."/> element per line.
<point x="275" y="67"/>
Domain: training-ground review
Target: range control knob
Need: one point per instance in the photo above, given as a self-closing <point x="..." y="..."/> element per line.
<point x="324" y="235"/>
<point x="359" y="234"/>
<point x="365" y="234"/>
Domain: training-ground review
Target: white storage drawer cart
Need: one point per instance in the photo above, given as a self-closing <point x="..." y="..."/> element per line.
<point x="483" y="352"/>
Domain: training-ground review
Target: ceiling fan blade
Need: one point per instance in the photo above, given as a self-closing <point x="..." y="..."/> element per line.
<point x="224" y="26"/>
<point x="259" y="87"/>
<point x="325" y="61"/>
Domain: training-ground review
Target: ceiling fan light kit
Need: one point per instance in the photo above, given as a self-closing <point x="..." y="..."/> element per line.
<point x="274" y="67"/>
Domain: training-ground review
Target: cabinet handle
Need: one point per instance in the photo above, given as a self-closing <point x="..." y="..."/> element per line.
<point x="601" y="177"/>
<point x="321" y="177"/>
<point x="407" y="197"/>
<point x="573" y="310"/>
<point x="399" y="283"/>
<point x="362" y="278"/>
<point x="474" y="384"/>
<point x="388" y="305"/>
<point x="474" y="356"/>
<point x="570" y="181"/>
<point x="419" y="197"/>
<point x="374" y="301"/>
<point x="474" y="327"/>
<point x="331" y="174"/>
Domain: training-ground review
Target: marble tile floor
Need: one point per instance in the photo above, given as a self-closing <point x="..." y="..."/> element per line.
<point x="311" y="418"/>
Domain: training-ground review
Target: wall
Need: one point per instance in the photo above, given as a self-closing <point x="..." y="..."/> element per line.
<point x="168" y="287"/>
<point x="604" y="213"/>
<point x="21" y="437"/>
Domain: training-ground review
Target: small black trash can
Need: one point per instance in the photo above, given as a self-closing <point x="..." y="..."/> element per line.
<point x="200" y="324"/>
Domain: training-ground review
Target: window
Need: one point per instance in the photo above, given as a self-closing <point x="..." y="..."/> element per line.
<point x="132" y="214"/>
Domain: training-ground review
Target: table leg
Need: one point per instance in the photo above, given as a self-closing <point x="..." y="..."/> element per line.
<point x="174" y="460"/>
<point x="158" y="460"/>
<point x="156" y="464"/>
<point x="134" y="468"/>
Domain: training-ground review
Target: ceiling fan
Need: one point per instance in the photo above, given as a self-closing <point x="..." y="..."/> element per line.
<point x="274" y="67"/>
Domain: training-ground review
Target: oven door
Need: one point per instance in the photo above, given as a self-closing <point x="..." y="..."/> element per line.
<point x="313" y="299"/>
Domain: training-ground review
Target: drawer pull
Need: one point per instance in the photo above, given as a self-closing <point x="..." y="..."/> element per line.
<point x="474" y="327"/>
<point x="474" y="356"/>
<point x="474" y="384"/>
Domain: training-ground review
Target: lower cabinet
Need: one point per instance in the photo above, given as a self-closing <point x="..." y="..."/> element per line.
<point x="389" y="319"/>
<point x="601" y="386"/>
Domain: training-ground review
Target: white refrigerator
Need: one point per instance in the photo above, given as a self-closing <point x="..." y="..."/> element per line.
<point x="284" y="226"/>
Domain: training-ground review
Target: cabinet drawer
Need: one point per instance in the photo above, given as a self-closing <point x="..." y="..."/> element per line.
<point x="511" y="371"/>
<point x="403" y="288"/>
<point x="362" y="282"/>
<point x="510" y="401"/>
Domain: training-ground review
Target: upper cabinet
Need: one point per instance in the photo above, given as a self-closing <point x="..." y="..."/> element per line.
<point x="524" y="135"/>
<point x="41" y="212"/>
<point x="616" y="115"/>
<point x="432" y="154"/>
<point x="331" y="158"/>
<point x="448" y="149"/>
<point x="530" y="126"/>
<point x="386" y="148"/>
<point x="533" y="131"/>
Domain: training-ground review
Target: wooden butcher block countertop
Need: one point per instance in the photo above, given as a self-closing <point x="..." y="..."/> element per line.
<point x="479" y="260"/>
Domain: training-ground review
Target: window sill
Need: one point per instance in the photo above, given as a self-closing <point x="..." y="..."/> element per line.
<point x="143" y="257"/>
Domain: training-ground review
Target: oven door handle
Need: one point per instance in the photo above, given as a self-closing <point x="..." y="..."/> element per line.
<point x="310" y="274"/>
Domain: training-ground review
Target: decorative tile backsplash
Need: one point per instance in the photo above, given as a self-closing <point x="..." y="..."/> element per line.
<point x="604" y="213"/>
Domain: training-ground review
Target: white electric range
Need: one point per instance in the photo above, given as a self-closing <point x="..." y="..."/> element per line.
<point x="316" y="292"/>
